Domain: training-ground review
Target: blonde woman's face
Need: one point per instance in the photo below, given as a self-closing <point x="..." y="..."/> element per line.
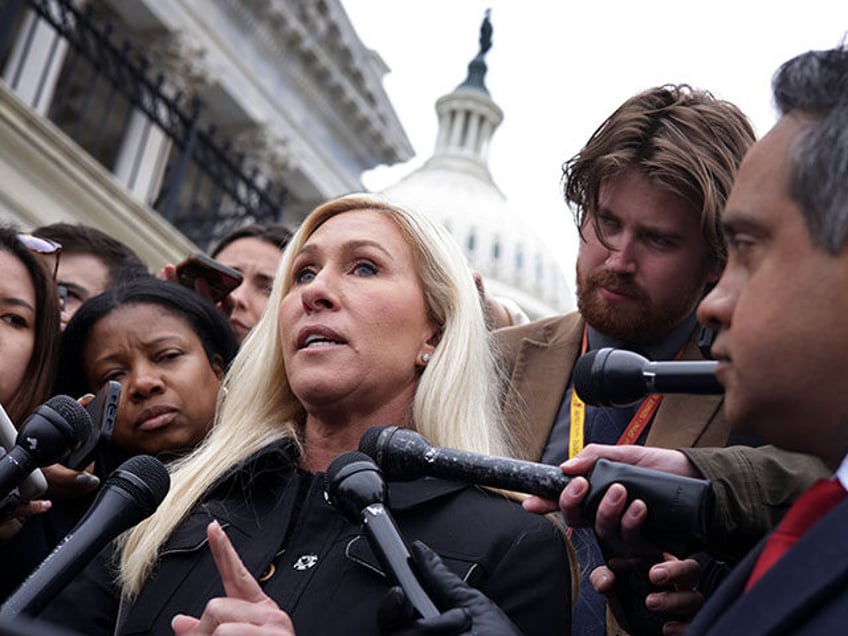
<point x="354" y="321"/>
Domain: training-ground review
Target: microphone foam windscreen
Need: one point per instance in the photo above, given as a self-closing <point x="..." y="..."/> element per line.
<point x="144" y="477"/>
<point x="368" y="441"/>
<point x="341" y="462"/>
<point x="585" y="382"/>
<point x="75" y="415"/>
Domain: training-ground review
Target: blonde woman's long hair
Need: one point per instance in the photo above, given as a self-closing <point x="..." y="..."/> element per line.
<point x="455" y="405"/>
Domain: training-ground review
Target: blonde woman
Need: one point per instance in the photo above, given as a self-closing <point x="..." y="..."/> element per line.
<point x="374" y="319"/>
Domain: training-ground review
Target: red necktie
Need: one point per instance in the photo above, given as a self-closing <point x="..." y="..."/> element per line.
<point x="811" y="506"/>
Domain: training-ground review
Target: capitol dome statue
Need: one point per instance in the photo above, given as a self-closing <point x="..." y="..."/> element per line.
<point x="455" y="187"/>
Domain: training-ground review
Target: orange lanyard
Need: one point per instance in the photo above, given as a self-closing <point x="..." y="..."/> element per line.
<point x="634" y="429"/>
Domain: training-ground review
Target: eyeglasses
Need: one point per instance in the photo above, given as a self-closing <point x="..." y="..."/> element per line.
<point x="41" y="245"/>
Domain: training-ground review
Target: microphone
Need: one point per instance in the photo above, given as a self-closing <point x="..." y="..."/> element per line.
<point x="131" y="493"/>
<point x="354" y="486"/>
<point x="616" y="377"/>
<point x="55" y="428"/>
<point x="679" y="508"/>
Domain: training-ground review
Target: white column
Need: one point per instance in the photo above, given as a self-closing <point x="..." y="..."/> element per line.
<point x="487" y="130"/>
<point x="455" y="139"/>
<point x="32" y="70"/>
<point x="143" y="156"/>
<point x="444" y="131"/>
<point x="470" y="142"/>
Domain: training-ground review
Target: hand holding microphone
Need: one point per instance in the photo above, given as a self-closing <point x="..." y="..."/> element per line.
<point x="355" y="488"/>
<point x="468" y="610"/>
<point x="55" y="428"/>
<point x="680" y="507"/>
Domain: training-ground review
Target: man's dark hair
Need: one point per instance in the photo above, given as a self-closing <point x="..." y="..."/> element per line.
<point x="122" y="262"/>
<point x="815" y="84"/>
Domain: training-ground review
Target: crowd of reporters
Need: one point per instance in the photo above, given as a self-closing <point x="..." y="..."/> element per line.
<point x="264" y="520"/>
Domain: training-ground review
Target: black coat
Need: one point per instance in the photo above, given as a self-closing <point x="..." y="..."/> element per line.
<point x="324" y="572"/>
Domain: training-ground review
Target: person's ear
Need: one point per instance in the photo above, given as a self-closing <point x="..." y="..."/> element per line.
<point x="424" y="355"/>
<point x="217" y="364"/>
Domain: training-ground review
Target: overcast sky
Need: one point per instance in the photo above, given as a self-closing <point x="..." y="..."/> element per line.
<point x="558" y="68"/>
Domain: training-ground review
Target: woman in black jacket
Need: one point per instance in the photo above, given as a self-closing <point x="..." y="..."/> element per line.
<point x="374" y="319"/>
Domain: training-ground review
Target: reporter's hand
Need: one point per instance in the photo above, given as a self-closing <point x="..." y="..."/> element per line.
<point x="245" y="609"/>
<point x="169" y="273"/>
<point x="67" y="483"/>
<point x="572" y="496"/>
<point x="12" y="524"/>
<point x="396" y="617"/>
<point x="469" y="611"/>
<point x="682" y="600"/>
<point x="665" y="459"/>
<point x="615" y="522"/>
<point x="201" y="286"/>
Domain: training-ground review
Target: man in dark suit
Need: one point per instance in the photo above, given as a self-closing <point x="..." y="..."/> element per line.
<point x="780" y="307"/>
<point x="648" y="189"/>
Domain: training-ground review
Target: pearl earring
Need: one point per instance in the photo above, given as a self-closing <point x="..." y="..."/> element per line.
<point x="425" y="357"/>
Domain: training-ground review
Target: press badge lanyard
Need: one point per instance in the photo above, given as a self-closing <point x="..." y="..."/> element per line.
<point x="634" y="429"/>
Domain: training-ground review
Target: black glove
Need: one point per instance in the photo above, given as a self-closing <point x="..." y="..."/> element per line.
<point x="469" y="611"/>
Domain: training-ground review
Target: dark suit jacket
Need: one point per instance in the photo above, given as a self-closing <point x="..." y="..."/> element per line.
<point x="806" y="592"/>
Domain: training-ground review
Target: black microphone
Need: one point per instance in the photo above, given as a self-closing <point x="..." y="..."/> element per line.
<point x="679" y="508"/>
<point x="55" y="428"/>
<point x="616" y="377"/>
<point x="131" y="493"/>
<point x="355" y="487"/>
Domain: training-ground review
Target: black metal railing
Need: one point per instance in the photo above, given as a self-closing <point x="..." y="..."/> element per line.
<point x="205" y="187"/>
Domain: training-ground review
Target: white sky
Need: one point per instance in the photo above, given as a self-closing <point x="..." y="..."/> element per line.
<point x="559" y="68"/>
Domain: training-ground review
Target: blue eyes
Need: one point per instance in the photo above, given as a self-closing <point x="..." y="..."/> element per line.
<point x="365" y="269"/>
<point x="303" y="276"/>
<point x="361" y="268"/>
